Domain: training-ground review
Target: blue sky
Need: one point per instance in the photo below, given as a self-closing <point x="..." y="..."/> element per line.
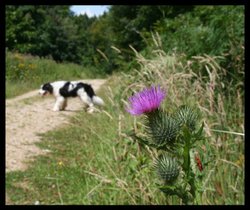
<point x="90" y="10"/>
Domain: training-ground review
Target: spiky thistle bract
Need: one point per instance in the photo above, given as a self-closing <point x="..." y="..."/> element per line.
<point x="162" y="127"/>
<point x="167" y="168"/>
<point x="185" y="115"/>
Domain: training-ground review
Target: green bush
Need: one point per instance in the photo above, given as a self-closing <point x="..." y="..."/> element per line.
<point x="210" y="30"/>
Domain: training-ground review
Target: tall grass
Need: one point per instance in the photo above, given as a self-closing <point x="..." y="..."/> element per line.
<point x="94" y="160"/>
<point x="25" y="72"/>
<point x="201" y="81"/>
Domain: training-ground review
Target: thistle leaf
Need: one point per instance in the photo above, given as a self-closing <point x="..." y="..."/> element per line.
<point x="198" y="135"/>
<point x="142" y="141"/>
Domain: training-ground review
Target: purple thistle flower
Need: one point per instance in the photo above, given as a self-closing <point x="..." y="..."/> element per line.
<point x="146" y="101"/>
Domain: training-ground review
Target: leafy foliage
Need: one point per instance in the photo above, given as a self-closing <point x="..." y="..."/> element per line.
<point x="40" y="30"/>
<point x="211" y="30"/>
<point x="103" y="42"/>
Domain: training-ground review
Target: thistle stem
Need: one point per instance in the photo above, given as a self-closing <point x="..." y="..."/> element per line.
<point x="186" y="156"/>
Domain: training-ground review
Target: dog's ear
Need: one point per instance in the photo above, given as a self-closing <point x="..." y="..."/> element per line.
<point x="48" y="87"/>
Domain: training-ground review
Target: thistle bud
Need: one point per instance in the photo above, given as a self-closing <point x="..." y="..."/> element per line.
<point x="167" y="168"/>
<point x="186" y="116"/>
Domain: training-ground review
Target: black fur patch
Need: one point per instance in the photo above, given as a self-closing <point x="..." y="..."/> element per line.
<point x="48" y="87"/>
<point x="88" y="88"/>
<point x="64" y="91"/>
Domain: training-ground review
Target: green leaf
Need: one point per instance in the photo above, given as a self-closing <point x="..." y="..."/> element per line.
<point x="169" y="190"/>
<point x="186" y="156"/>
<point x="198" y="134"/>
<point x="141" y="140"/>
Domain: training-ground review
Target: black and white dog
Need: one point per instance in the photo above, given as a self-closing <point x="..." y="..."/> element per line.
<point x="64" y="89"/>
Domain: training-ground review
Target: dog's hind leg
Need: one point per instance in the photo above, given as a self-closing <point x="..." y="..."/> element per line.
<point x="87" y="102"/>
<point x="59" y="104"/>
<point x="64" y="105"/>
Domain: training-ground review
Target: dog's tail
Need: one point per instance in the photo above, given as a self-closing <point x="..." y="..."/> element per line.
<point x="98" y="101"/>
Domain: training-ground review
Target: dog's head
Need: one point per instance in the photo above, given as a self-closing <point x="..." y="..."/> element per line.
<point x="46" y="89"/>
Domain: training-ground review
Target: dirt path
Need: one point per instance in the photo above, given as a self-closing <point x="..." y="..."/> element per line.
<point x="28" y="115"/>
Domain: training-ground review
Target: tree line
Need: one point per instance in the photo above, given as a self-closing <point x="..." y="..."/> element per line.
<point x="54" y="31"/>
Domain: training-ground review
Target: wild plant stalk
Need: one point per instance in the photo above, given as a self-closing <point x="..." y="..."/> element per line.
<point x="175" y="135"/>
